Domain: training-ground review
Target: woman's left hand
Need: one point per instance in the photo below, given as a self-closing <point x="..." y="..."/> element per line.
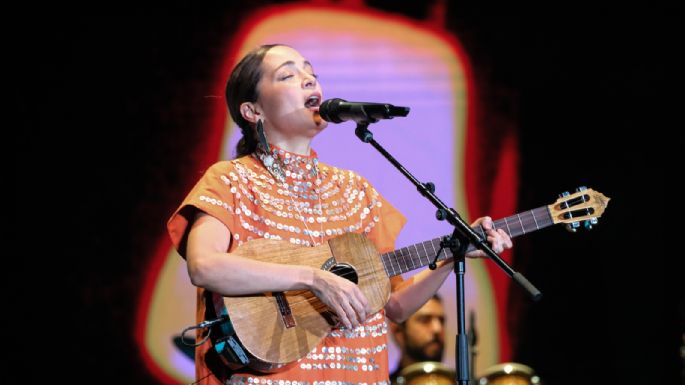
<point x="499" y="240"/>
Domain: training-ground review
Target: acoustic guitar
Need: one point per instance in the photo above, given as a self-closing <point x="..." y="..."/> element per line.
<point x="268" y="331"/>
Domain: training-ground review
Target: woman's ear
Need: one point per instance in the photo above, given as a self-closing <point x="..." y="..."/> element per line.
<point x="249" y="112"/>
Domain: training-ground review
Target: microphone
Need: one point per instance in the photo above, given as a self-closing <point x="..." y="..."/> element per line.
<point x="337" y="110"/>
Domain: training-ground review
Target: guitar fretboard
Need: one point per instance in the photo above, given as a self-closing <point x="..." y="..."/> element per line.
<point x="422" y="254"/>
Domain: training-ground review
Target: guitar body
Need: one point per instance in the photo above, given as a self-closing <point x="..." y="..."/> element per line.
<point x="278" y="328"/>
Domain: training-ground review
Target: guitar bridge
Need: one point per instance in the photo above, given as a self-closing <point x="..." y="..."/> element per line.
<point x="284" y="309"/>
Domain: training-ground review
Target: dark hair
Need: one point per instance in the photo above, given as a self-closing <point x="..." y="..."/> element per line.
<point x="435" y="296"/>
<point x="242" y="87"/>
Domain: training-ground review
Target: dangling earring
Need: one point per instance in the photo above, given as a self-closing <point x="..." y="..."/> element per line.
<point x="262" y="137"/>
<point x="264" y="154"/>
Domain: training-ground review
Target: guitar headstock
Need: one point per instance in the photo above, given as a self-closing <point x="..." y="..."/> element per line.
<point x="585" y="205"/>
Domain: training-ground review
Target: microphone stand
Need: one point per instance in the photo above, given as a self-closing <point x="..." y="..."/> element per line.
<point x="458" y="243"/>
<point x="473" y="338"/>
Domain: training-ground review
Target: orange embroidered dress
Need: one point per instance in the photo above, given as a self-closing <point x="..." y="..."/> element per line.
<point x="306" y="205"/>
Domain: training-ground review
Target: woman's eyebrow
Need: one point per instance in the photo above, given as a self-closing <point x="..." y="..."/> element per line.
<point x="306" y="63"/>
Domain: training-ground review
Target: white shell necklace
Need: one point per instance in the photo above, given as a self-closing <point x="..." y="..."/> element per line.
<point x="282" y="164"/>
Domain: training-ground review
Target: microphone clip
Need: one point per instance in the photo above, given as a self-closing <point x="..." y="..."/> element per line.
<point x="363" y="133"/>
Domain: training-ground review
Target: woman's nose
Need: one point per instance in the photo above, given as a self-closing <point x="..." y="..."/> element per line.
<point x="308" y="81"/>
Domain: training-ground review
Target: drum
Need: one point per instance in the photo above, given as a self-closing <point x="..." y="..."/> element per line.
<point x="426" y="373"/>
<point x="509" y="373"/>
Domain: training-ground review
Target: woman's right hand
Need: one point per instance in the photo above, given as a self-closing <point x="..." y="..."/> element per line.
<point x="342" y="296"/>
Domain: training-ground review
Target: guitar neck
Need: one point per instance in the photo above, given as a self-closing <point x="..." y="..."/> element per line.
<point x="422" y="254"/>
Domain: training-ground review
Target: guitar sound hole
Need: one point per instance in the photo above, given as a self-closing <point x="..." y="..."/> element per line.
<point x="345" y="270"/>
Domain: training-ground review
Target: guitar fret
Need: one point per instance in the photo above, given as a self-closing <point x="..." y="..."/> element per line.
<point x="482" y="230"/>
<point x="532" y="216"/>
<point x="438" y="248"/>
<point x="408" y="258"/>
<point x="411" y="259"/>
<point x="522" y="227"/>
<point x="431" y="255"/>
<point x="534" y="220"/>
<point x="417" y="256"/>
<point x="396" y="261"/>
<point x="387" y="264"/>
<point x="525" y="219"/>
<point x="447" y="252"/>
<point x="507" y="224"/>
<point x="405" y="252"/>
<point x="435" y="244"/>
<point x="423" y="244"/>
<point x="545" y="215"/>
<point x="384" y="259"/>
<point x="517" y="229"/>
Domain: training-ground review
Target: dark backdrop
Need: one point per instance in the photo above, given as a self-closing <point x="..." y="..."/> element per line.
<point x="107" y="102"/>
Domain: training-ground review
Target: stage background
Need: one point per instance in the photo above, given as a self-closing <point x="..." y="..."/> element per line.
<point x="105" y="107"/>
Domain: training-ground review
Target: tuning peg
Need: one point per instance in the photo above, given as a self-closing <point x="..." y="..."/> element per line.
<point x="572" y="227"/>
<point x="589" y="223"/>
<point x="564" y="194"/>
<point x="581" y="188"/>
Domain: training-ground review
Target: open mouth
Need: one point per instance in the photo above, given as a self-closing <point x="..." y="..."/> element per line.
<point x="313" y="101"/>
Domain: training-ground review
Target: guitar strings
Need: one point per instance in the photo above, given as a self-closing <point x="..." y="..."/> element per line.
<point x="318" y="305"/>
<point x="478" y="228"/>
<point x="351" y="274"/>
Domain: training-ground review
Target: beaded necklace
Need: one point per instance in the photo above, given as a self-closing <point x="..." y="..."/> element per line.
<point x="281" y="164"/>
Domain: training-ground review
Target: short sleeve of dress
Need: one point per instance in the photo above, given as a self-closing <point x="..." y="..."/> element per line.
<point x="211" y="194"/>
<point x="383" y="225"/>
<point x="384" y="221"/>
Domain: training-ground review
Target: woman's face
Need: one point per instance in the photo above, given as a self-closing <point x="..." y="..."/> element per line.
<point x="289" y="95"/>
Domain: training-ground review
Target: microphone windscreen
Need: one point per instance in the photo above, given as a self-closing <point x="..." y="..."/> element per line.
<point x="329" y="109"/>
